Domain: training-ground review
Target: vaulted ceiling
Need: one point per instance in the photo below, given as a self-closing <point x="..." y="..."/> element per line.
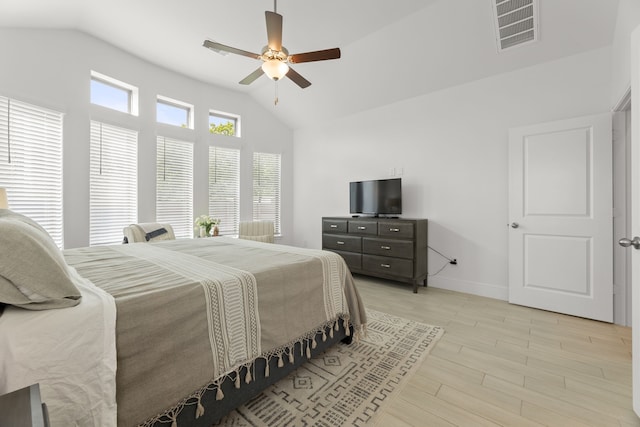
<point x="391" y="50"/>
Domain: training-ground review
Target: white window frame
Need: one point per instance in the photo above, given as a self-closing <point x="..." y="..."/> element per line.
<point x="132" y="91"/>
<point x="189" y="108"/>
<point x="31" y="143"/>
<point x="260" y="208"/>
<point x="174" y="185"/>
<point x="230" y="117"/>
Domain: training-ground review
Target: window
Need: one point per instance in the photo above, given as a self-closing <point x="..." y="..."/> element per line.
<point x="175" y="113"/>
<point x="111" y="93"/>
<point x="224" y="188"/>
<point x="266" y="188"/>
<point x="224" y="123"/>
<point x="31" y="163"/>
<point x="174" y="185"/>
<point x="114" y="184"/>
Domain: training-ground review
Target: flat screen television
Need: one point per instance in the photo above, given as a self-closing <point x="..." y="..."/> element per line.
<point x="376" y="197"/>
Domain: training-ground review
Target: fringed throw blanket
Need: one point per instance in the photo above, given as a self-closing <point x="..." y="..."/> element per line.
<point x="191" y="312"/>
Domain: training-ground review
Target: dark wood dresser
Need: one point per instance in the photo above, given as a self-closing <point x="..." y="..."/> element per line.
<point x="390" y="248"/>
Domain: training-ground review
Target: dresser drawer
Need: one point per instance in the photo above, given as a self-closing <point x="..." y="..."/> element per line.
<point x="334" y="225"/>
<point x="353" y="260"/>
<point x="363" y="227"/>
<point x="386" y="265"/>
<point x="396" y="229"/>
<point x="388" y="247"/>
<point x="342" y="242"/>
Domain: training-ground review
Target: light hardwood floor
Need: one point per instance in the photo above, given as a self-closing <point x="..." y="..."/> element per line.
<point x="507" y="365"/>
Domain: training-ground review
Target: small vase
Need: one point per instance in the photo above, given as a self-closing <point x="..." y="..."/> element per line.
<point x="203" y="231"/>
<point x="215" y="230"/>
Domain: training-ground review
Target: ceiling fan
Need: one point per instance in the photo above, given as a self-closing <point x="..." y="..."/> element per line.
<point x="275" y="57"/>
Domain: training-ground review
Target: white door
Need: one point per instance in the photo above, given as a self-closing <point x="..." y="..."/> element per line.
<point x="635" y="212"/>
<point x="560" y="217"/>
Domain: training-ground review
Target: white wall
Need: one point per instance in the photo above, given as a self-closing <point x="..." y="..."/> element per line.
<point x="52" y="69"/>
<point x="452" y="146"/>
<point x="628" y="19"/>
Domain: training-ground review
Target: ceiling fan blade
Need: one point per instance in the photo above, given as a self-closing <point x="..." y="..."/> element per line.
<point x="217" y="47"/>
<point x="274" y="30"/>
<point x="318" y="55"/>
<point x="298" y="79"/>
<point x="252" y="77"/>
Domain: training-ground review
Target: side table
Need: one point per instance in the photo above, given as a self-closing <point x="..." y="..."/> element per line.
<point x="23" y="408"/>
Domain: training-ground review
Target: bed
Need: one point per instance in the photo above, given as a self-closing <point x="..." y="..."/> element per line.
<point x="171" y="333"/>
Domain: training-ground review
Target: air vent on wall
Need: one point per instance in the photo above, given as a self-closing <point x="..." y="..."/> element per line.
<point x="516" y="22"/>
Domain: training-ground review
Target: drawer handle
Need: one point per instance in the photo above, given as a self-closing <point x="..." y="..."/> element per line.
<point x="385" y="265"/>
<point x="340" y="242"/>
<point x="333" y="226"/>
<point x="395" y="230"/>
<point x="386" y="248"/>
<point x="362" y="228"/>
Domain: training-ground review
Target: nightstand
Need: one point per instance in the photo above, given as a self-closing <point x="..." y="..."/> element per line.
<point x="23" y="408"/>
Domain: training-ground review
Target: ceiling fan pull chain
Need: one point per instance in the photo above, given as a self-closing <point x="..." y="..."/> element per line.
<point x="275" y="101"/>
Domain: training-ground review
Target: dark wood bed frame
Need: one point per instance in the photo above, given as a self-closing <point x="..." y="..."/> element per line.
<point x="215" y="410"/>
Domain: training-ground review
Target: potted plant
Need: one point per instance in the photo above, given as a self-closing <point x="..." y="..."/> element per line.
<point x="207" y="225"/>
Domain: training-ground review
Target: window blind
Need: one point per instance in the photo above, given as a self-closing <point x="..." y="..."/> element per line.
<point x="114" y="184"/>
<point x="266" y="188"/>
<point x="174" y="185"/>
<point x="31" y="163"/>
<point x="224" y="188"/>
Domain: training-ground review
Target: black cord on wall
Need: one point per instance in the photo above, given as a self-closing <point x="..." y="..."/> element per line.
<point x="450" y="261"/>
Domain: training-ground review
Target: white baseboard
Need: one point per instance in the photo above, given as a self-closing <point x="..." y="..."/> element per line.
<point x="474" y="288"/>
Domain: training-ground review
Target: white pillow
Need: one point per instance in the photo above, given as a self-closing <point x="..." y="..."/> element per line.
<point x="33" y="272"/>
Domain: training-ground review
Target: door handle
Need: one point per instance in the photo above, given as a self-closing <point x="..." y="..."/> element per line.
<point x="515" y="225"/>
<point x="625" y="243"/>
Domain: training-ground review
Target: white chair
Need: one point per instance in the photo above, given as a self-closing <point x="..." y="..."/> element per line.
<point x="148" y="232"/>
<point x="260" y="231"/>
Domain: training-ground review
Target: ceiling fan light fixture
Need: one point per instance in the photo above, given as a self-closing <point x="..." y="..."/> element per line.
<point x="275" y="57"/>
<point x="275" y="69"/>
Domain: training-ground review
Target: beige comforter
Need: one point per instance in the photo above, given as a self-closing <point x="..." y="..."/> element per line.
<point x="190" y="312"/>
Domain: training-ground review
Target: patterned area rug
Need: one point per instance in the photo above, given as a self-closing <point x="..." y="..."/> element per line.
<point x="346" y="385"/>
